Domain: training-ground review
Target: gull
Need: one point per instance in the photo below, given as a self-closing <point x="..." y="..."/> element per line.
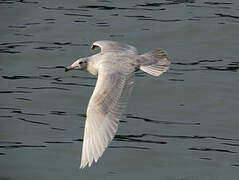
<point x="115" y="65"/>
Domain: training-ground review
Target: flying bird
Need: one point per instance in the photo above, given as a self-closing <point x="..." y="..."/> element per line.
<point x="115" y="65"/>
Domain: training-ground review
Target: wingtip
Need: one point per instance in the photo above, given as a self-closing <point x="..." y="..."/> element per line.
<point x="85" y="163"/>
<point x="82" y="166"/>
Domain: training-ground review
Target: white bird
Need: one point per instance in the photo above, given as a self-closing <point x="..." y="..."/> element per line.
<point x="115" y="66"/>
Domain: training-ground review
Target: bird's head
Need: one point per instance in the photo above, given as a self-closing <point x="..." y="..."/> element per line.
<point x="80" y="64"/>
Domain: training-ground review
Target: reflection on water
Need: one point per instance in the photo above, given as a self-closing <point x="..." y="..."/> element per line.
<point x="188" y="116"/>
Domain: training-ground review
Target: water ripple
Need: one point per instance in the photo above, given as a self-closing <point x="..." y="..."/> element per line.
<point x="59" y="129"/>
<point x="51" y="87"/>
<point x="23" y="99"/>
<point x="130" y="147"/>
<point x="20" y="146"/>
<point x="232" y="66"/>
<point x="170" y="2"/>
<point x="100" y="7"/>
<point x="157" y="121"/>
<point x="10" y="142"/>
<point x="134" y="138"/>
<point x="31" y="114"/>
<point x="58" y="142"/>
<point x="227" y="15"/>
<point x="74" y="84"/>
<point x="218" y="3"/>
<point x="33" y="122"/>
<point x="211" y="149"/>
<point x="230" y="144"/>
<point x="60" y="8"/>
<point x="13" y="92"/>
<point x="81" y="15"/>
<point x="10" y="47"/>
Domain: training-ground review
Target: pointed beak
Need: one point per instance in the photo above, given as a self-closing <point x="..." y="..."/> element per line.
<point x="68" y="68"/>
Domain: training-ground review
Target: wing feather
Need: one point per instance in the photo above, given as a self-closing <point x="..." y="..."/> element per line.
<point x="155" y="62"/>
<point x="105" y="107"/>
<point x="114" y="46"/>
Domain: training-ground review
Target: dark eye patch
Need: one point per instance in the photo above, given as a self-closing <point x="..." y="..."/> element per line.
<point x="81" y="62"/>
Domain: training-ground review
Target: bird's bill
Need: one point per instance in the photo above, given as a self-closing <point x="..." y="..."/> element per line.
<point x="75" y="65"/>
<point x="68" y="68"/>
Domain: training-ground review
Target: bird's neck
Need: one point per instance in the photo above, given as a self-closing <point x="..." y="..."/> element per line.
<point x="93" y="64"/>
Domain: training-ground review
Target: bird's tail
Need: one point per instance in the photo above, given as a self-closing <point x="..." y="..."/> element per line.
<point x="155" y="62"/>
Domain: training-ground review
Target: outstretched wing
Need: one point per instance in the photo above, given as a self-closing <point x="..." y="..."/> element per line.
<point x="105" y="107"/>
<point x="113" y="46"/>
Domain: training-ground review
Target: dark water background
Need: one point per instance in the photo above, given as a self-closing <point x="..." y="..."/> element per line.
<point x="181" y="126"/>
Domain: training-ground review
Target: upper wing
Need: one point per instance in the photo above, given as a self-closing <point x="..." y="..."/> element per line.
<point x="114" y="46"/>
<point x="105" y="107"/>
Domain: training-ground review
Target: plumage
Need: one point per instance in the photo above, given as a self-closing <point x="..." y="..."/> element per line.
<point x="115" y="66"/>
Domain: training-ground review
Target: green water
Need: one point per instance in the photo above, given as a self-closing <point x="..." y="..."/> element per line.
<point x="180" y="126"/>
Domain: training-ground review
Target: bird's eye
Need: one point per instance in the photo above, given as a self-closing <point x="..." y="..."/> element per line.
<point x="80" y="62"/>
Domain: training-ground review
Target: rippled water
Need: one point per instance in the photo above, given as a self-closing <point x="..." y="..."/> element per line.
<point x="181" y="126"/>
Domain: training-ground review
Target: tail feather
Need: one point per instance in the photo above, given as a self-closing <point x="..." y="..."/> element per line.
<point x="155" y="62"/>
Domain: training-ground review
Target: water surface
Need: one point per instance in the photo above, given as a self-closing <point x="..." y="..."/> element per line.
<point x="183" y="125"/>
